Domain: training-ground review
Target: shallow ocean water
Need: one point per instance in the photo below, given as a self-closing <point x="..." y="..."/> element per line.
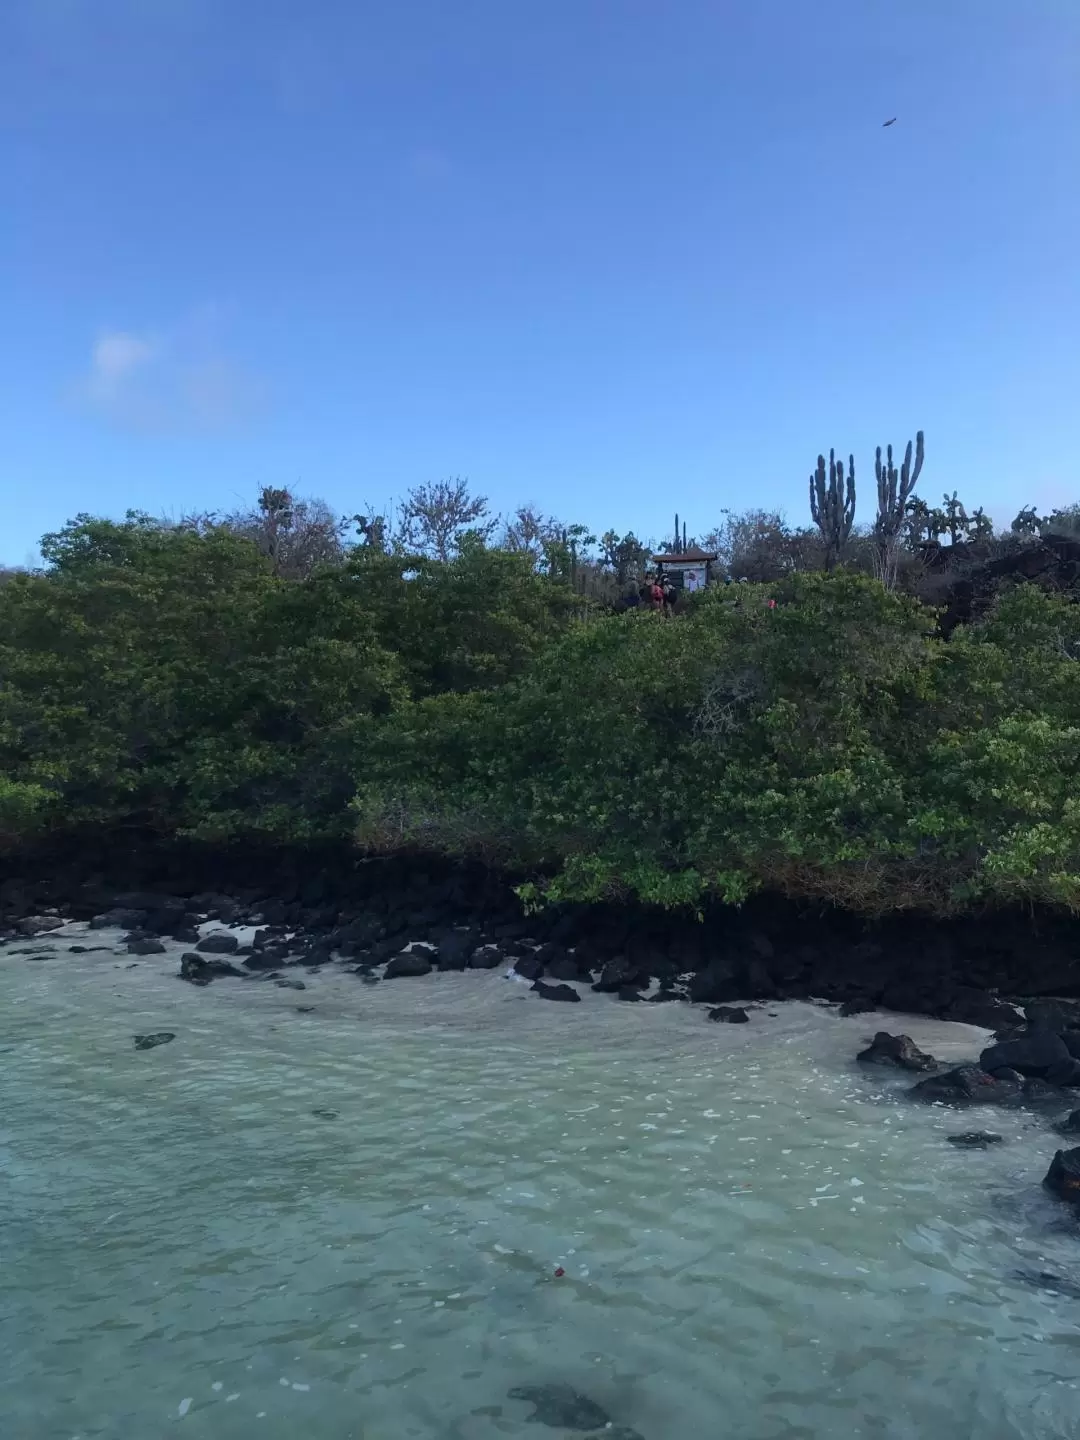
<point x="759" y="1241"/>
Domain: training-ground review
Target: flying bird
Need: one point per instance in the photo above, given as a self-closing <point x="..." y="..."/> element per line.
<point x="888" y="123"/>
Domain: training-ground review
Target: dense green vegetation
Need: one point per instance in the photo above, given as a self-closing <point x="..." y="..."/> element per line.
<point x="829" y="747"/>
<point x="473" y="695"/>
<point x="166" y="677"/>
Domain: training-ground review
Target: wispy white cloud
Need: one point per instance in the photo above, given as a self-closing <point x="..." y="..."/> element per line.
<point x="117" y="356"/>
<point x="181" y="379"/>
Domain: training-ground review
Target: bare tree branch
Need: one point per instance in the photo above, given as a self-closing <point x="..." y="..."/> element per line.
<point x="434" y="519"/>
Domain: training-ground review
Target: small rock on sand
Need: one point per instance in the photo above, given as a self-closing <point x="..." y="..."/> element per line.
<point x="730" y="1015"/>
<point x="555" y="992"/>
<point x="1063" y="1177"/>
<point x="220" y="942"/>
<point x="897" y="1051"/>
<point x="409" y="962"/>
<point x="38" y="924"/>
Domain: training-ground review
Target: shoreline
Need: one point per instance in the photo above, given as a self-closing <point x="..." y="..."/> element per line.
<point x="304" y="907"/>
<point x="487" y="1001"/>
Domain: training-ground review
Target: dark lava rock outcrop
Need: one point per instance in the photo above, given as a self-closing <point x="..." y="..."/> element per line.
<point x="556" y="992"/>
<point x="412" y="962"/>
<point x="1063" y="1177"/>
<point x="899" y="1052"/>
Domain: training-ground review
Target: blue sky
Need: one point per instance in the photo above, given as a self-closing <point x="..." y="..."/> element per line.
<point x="615" y="257"/>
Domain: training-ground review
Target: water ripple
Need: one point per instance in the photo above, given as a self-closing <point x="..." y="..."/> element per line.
<point x="757" y="1241"/>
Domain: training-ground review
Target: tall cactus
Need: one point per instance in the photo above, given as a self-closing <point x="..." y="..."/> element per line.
<point x="894" y="489"/>
<point x="832" y="505"/>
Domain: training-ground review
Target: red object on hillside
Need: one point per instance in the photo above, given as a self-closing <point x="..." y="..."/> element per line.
<point x="559" y="1273"/>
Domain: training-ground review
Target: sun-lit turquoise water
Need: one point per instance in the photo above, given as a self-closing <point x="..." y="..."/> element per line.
<point x="758" y="1241"/>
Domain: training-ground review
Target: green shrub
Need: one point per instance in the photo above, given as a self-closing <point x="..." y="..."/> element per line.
<point x="168" y="679"/>
<point x="830" y="748"/>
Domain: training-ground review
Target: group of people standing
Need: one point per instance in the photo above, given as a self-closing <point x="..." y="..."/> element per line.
<point x="656" y="593"/>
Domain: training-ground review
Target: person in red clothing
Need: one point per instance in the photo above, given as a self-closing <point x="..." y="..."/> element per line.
<point x="656" y="594"/>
